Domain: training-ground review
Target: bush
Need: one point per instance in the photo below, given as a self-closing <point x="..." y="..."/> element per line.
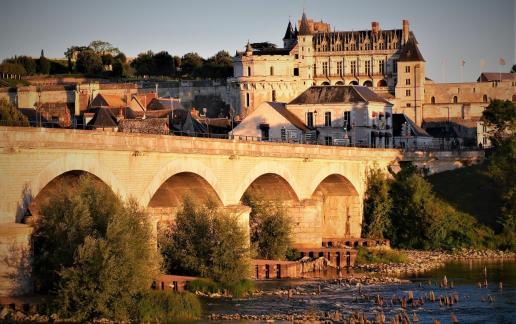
<point x="270" y="227"/>
<point x="204" y="241"/>
<point x="203" y="285"/>
<point x="380" y="256"/>
<point x="10" y="115"/>
<point x="377" y="205"/>
<point x="166" y="307"/>
<point x="93" y="253"/>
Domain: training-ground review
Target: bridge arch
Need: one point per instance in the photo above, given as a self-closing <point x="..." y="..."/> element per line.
<point x="193" y="170"/>
<point x="267" y="173"/>
<point x="69" y="164"/>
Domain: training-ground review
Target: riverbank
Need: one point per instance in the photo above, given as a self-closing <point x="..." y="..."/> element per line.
<point x="423" y="261"/>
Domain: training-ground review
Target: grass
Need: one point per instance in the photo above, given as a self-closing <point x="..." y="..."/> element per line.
<point x="168" y="307"/>
<point x="470" y="190"/>
<point x="380" y="256"/>
<point x="207" y="286"/>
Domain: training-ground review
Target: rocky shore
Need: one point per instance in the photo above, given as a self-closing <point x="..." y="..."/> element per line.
<point x="422" y="261"/>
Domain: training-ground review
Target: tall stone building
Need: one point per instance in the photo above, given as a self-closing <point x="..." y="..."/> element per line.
<point x="388" y="60"/>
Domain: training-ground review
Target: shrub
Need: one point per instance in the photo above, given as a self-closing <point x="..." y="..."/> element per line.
<point x="377" y="205"/>
<point x="203" y="285"/>
<point x="166" y="307"/>
<point x="204" y="241"/>
<point x="270" y="227"/>
<point x="380" y="256"/>
<point x="10" y="115"/>
<point x="237" y="289"/>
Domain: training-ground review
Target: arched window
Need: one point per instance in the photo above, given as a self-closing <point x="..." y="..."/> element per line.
<point x="432" y="100"/>
<point x="484" y="99"/>
<point x="353" y="83"/>
<point x="247" y="99"/>
<point x="368" y="83"/>
<point x="248" y="71"/>
<point x="325" y="83"/>
<point x="455" y="99"/>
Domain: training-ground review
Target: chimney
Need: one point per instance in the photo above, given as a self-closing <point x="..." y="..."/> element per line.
<point x="375" y="27"/>
<point x="406" y="31"/>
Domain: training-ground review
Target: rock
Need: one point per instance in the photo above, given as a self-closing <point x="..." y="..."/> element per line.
<point x="5" y="313"/>
<point x="19" y="316"/>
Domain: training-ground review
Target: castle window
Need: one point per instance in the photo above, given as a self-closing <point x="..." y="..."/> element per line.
<point x="325" y="68"/>
<point x="248" y="71"/>
<point x="407" y="93"/>
<point x="247" y="99"/>
<point x="310" y="119"/>
<point x="273" y="95"/>
<point x="513" y="98"/>
<point x="407" y="81"/>
<point x="394" y="66"/>
<point x="432" y="100"/>
<point x="272" y="70"/>
<point x="408" y="104"/>
<point x="407" y="69"/>
<point x="484" y="99"/>
<point x="327" y="119"/>
<point x="354" y="67"/>
<point x="368" y="67"/>
<point x="381" y="65"/>
<point x="296" y="71"/>
<point x="340" y="71"/>
<point x="455" y="99"/>
<point x="296" y="56"/>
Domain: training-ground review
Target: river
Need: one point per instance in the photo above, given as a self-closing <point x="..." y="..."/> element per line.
<point x="475" y="305"/>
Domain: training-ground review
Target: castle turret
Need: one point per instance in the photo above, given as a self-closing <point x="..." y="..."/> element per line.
<point x="290" y="38"/>
<point x="305" y="51"/>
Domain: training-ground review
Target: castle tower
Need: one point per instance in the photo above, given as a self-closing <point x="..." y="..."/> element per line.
<point x="305" y="51"/>
<point x="289" y="40"/>
<point x="411" y="78"/>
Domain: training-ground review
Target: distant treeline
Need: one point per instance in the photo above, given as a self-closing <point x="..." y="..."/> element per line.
<point x="101" y="59"/>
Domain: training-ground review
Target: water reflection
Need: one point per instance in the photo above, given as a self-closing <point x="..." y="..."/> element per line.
<point x="476" y="305"/>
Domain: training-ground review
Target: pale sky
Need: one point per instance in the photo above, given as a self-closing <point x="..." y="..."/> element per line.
<point x="447" y="31"/>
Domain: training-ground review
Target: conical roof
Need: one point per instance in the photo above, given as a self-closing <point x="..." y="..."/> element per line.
<point x="410" y="52"/>
<point x="304" y="28"/>
<point x="289" y="33"/>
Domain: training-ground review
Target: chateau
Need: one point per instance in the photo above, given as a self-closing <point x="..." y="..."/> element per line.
<point x="388" y="61"/>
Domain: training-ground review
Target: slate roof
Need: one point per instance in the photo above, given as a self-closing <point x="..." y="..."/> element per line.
<point x="304" y="27"/>
<point x="410" y="52"/>
<point x="337" y="94"/>
<point x="103" y="118"/>
<point x="289" y="33"/>
<point x="494" y="76"/>
<point x="288" y="115"/>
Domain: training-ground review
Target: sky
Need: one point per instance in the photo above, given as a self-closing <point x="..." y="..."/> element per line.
<point x="448" y="31"/>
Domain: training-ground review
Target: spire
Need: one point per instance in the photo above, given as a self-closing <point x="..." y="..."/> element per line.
<point x="304" y="27"/>
<point x="289" y="33"/>
<point x="248" y="49"/>
<point x="410" y="51"/>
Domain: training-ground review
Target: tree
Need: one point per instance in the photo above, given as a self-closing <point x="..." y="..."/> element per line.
<point x="92" y="252"/>
<point x="163" y="64"/>
<point x="377" y="205"/>
<point x="13" y="68"/>
<point x="144" y="64"/>
<point x="44" y="64"/>
<point x="27" y="62"/>
<point x="270" y="227"/>
<point x="89" y="62"/>
<point x="500" y="116"/>
<point x="206" y="242"/>
<point x="191" y="63"/>
<point x="10" y="115"/>
<point x="103" y="48"/>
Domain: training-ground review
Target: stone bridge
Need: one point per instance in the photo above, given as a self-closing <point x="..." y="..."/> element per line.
<point x="322" y="186"/>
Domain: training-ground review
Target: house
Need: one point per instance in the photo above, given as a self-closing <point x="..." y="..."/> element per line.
<point x="468" y="132"/>
<point x="165" y="103"/>
<point x="139" y="102"/>
<point x="271" y="121"/>
<point x="345" y="115"/>
<point x="103" y="119"/>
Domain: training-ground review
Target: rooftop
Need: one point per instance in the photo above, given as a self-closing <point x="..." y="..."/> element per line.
<point x="337" y="94"/>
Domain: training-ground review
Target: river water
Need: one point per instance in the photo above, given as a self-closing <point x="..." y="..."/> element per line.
<point x="476" y="305"/>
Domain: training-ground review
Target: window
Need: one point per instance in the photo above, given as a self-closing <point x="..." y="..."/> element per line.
<point x="455" y="99"/>
<point x="484" y="99"/>
<point x="248" y="71"/>
<point x="408" y="104"/>
<point x="247" y="99"/>
<point x="296" y="56"/>
<point x="407" y="81"/>
<point x="339" y="69"/>
<point x="394" y="66"/>
<point x="325" y="68"/>
<point x="283" y="134"/>
<point x="315" y="69"/>
<point x="381" y="66"/>
<point x="265" y="131"/>
<point x="354" y="67"/>
<point x="432" y="100"/>
<point x="296" y="71"/>
<point x="368" y="67"/>
<point x="328" y="140"/>
<point x="327" y="119"/>
<point x="272" y="70"/>
<point x="407" y="69"/>
<point x="273" y="95"/>
<point x="347" y="120"/>
<point x="310" y="119"/>
<point x="407" y="93"/>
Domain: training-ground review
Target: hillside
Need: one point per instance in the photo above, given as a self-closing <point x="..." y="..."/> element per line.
<point x="470" y="190"/>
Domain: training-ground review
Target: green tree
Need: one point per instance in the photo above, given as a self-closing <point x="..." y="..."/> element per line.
<point x="144" y="64"/>
<point x="205" y="241"/>
<point x="163" y="64"/>
<point x="191" y="64"/>
<point x="270" y="227"/>
<point x="44" y="64"/>
<point x="103" y="48"/>
<point x="10" y="115"/>
<point x="377" y="205"/>
<point x="28" y="63"/>
<point x="13" y="68"/>
<point x="89" y="62"/>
